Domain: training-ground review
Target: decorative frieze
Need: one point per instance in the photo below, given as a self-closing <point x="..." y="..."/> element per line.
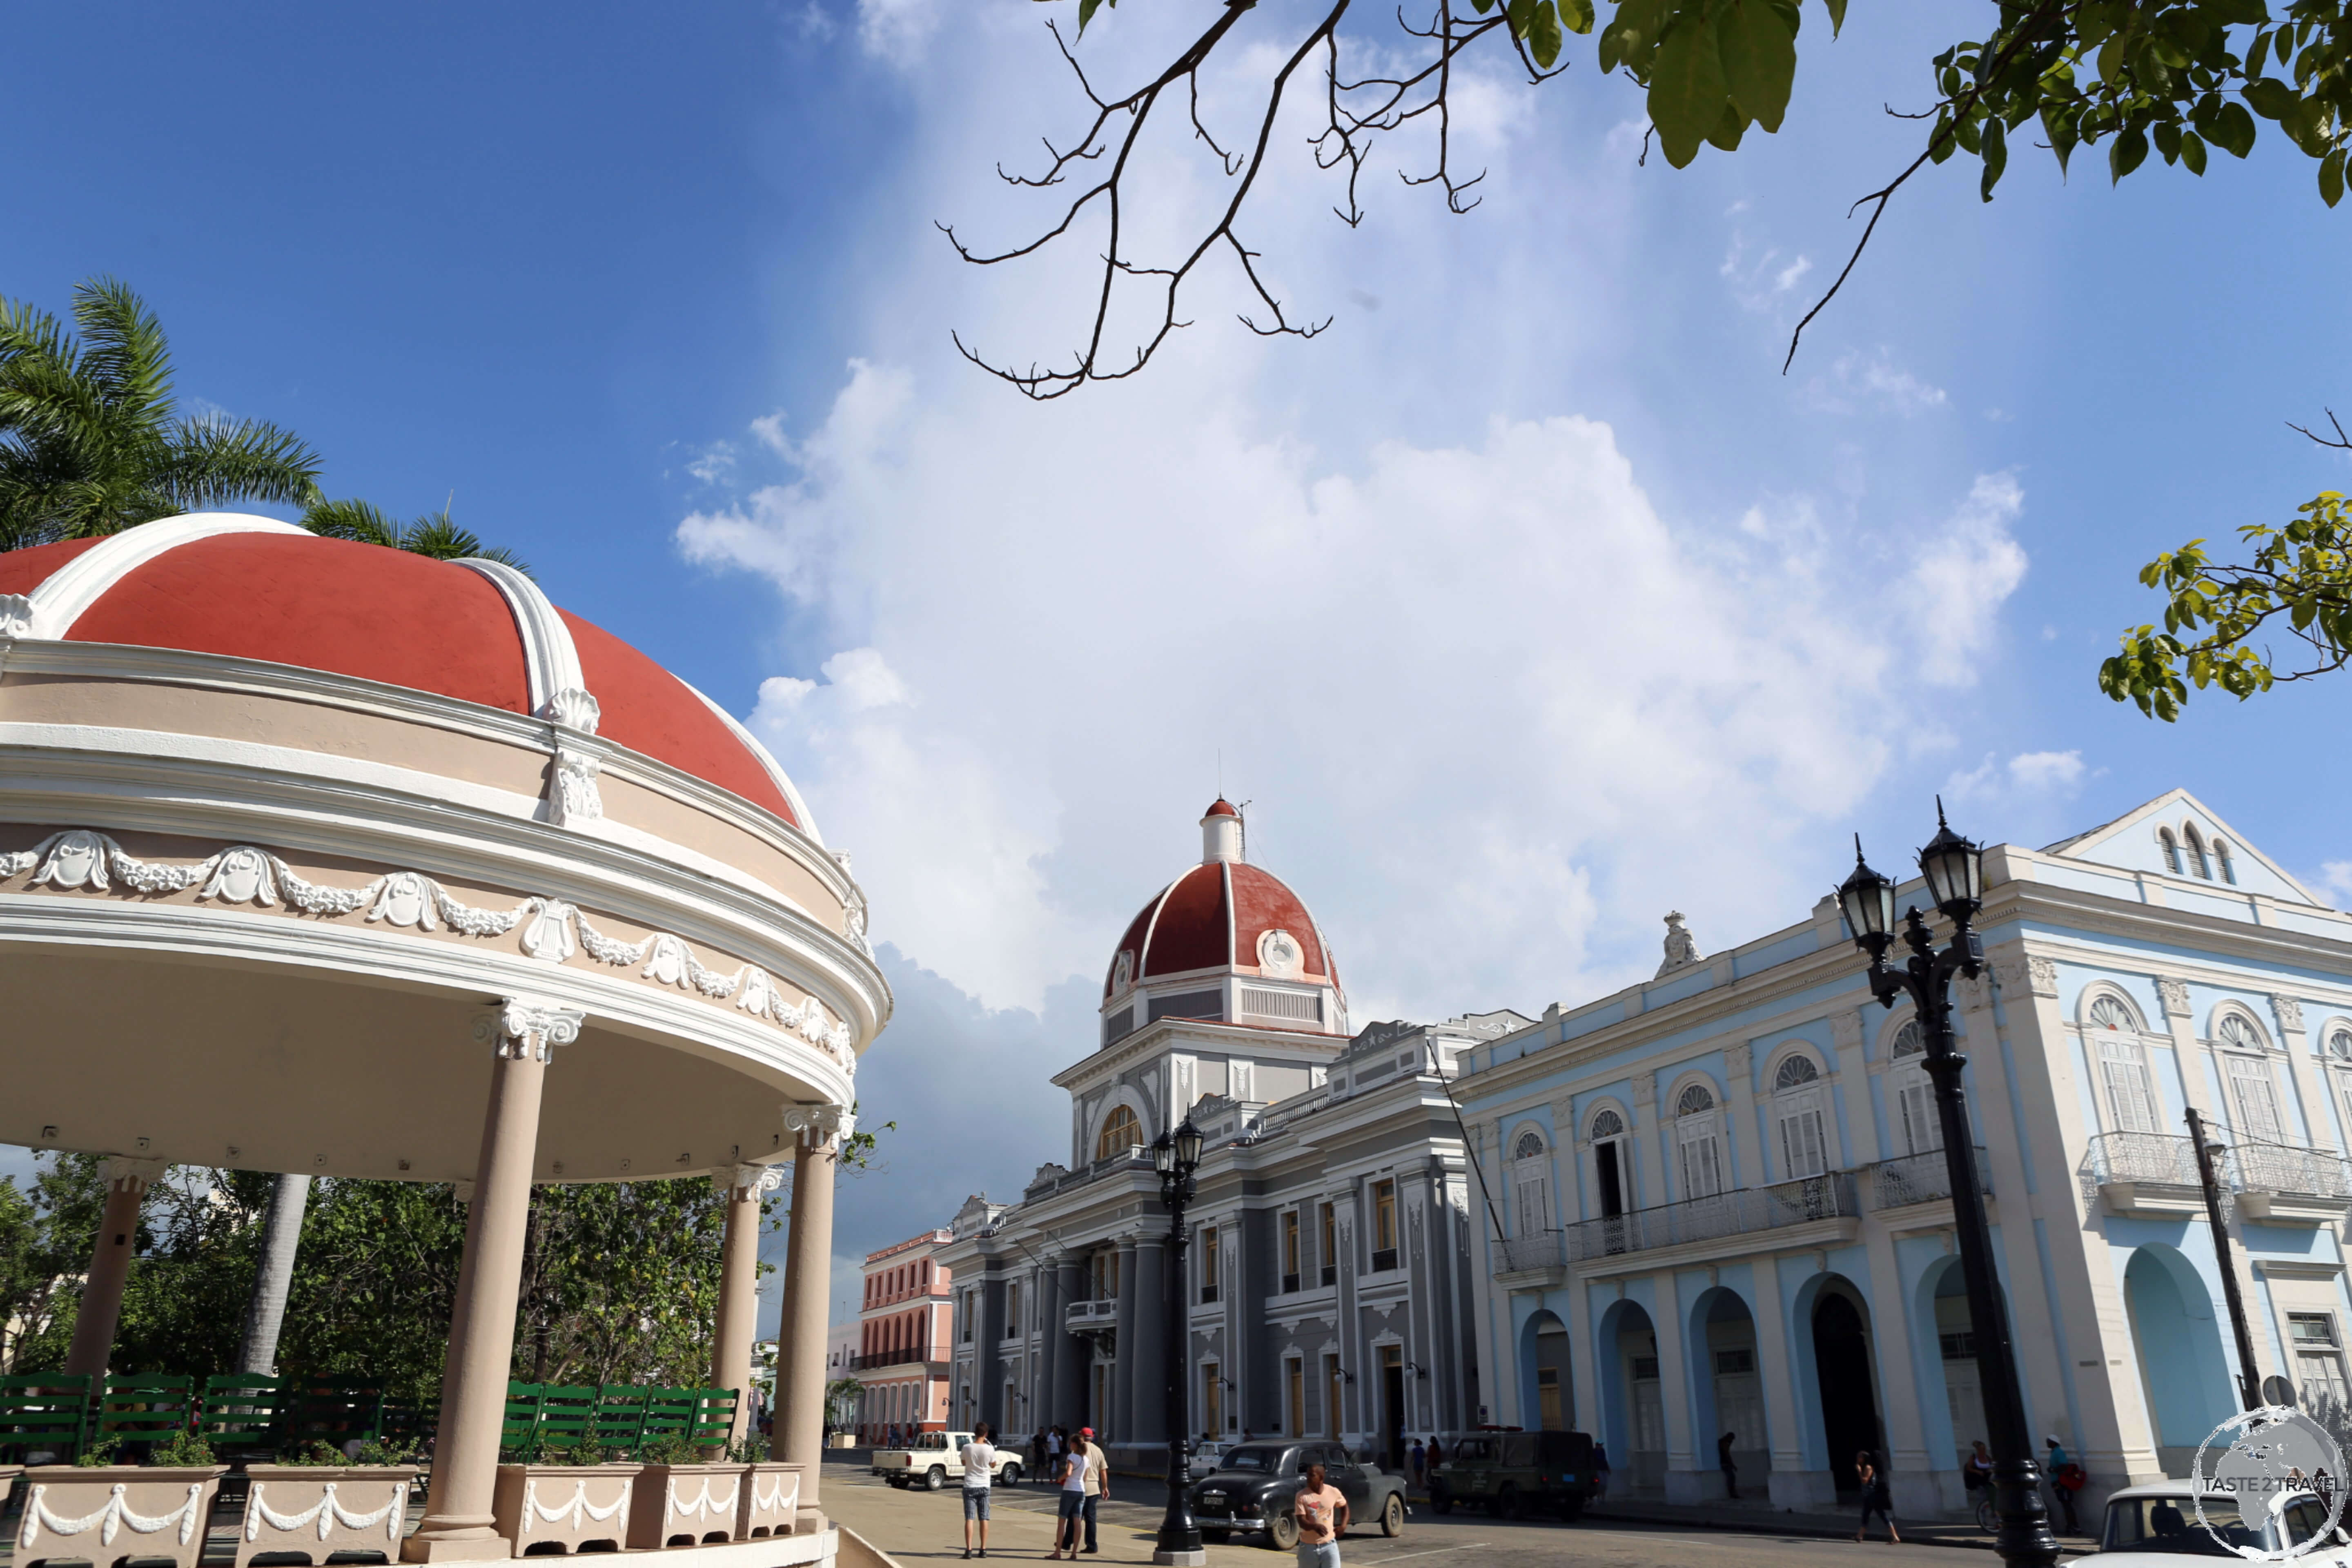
<point x="553" y="931"/>
<point x="2289" y="1011"/>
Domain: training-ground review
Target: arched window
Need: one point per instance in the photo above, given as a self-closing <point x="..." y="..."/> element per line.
<point x="1802" y="1111"/>
<point x="1531" y="1184"/>
<point x="2229" y="866"/>
<point x="2339" y="1043"/>
<point x="2171" y="849"/>
<point x="1612" y="1181"/>
<point x="2237" y="1030"/>
<point x="1914" y="1092"/>
<point x="1694" y="1137"/>
<point x="1120" y="1133"/>
<point x="2114" y="1012"/>
<point x="2114" y="1038"/>
<point x="2196" y="860"/>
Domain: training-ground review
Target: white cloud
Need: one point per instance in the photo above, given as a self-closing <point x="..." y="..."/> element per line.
<point x="2335" y="877"/>
<point x="714" y="463"/>
<point x="2026" y="775"/>
<point x="1961" y="574"/>
<point x="1477" y="692"/>
<point x="897" y="30"/>
<point x="1855" y="381"/>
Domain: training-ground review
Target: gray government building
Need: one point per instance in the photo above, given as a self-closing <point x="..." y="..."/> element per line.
<point x="1330" y="1247"/>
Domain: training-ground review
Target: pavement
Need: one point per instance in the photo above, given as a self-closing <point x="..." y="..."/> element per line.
<point x="921" y="1527"/>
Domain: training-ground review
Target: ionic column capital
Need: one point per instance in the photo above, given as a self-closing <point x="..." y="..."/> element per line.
<point x="123" y="1173"/>
<point x="530" y="1025"/>
<point x="819" y="1125"/>
<point x="746" y="1181"/>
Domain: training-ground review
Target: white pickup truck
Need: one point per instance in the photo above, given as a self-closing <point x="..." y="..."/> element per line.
<point x="935" y="1460"/>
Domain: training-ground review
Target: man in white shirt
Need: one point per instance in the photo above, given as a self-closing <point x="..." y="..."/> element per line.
<point x="1075" y="1463"/>
<point x="978" y="1464"/>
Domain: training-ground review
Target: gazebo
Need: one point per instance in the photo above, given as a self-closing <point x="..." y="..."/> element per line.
<point x="319" y="857"/>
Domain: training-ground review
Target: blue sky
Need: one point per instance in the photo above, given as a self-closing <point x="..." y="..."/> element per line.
<point x="1531" y="601"/>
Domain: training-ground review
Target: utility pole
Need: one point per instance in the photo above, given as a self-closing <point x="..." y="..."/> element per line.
<point x="2249" y="1382"/>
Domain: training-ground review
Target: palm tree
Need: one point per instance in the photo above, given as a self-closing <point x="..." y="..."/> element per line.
<point x="433" y="534"/>
<point x="90" y="443"/>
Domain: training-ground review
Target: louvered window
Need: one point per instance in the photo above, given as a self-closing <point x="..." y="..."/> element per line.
<point x="2257" y="1097"/>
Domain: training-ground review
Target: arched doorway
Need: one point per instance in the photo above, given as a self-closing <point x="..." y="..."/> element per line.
<point x="1632" y="1400"/>
<point x="1942" y="1305"/>
<point x="1547" y="1402"/>
<point x="1726" y="1394"/>
<point x="1842" y="1368"/>
<point x="2184" y="1373"/>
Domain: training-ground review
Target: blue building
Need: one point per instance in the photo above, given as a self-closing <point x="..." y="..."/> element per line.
<point x="1718" y="1201"/>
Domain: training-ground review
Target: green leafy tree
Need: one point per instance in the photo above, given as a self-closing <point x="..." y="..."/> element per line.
<point x="2178" y="78"/>
<point x="91" y="441"/>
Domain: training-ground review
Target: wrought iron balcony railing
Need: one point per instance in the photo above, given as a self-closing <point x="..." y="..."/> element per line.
<point x="2162" y="1159"/>
<point x="2154" y="1157"/>
<point x="1919" y="1178"/>
<point x="2285" y="1169"/>
<point x="1527" y="1254"/>
<point x="1740" y="1212"/>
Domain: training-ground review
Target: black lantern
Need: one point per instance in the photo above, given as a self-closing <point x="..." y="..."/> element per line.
<point x="1955" y="871"/>
<point x="1868" y="900"/>
<point x="1188" y="1144"/>
<point x="1163" y="1153"/>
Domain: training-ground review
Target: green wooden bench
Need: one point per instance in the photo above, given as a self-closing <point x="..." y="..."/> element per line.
<point x="567" y="1414"/>
<point x="620" y="1424"/>
<point x="44" y="1412"/>
<point x="519" y="1433"/>
<point x="714" y="1416"/>
<point x="144" y="1406"/>
<point x="240" y="1411"/>
<point x="670" y="1412"/>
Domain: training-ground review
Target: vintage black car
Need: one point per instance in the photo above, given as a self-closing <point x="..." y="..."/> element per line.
<point x="1254" y="1483"/>
<point x="1513" y="1474"/>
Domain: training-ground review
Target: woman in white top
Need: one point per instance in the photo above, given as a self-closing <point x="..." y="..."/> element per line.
<point x="1074" y="1465"/>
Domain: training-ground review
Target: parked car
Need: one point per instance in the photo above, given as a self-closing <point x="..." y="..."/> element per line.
<point x="1203" y="1455"/>
<point x="1252" y="1488"/>
<point x="1514" y="1474"/>
<point x="2147" y="1526"/>
<point x="936" y="1459"/>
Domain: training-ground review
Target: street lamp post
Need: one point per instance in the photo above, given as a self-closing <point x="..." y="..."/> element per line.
<point x="1177" y="1155"/>
<point x="1954" y="870"/>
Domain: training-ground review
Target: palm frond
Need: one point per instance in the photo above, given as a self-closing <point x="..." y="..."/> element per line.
<point x="504" y="557"/>
<point x="123" y="349"/>
<point x="436" y="536"/>
<point x="354" y="519"/>
<point x="209" y="461"/>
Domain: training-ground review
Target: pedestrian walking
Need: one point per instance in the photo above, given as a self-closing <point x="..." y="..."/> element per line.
<point x="1098" y="1482"/>
<point x="1071" y="1472"/>
<point x="1723" y="1462"/>
<point x="979" y="1479"/>
<point x="1038" y="1474"/>
<point x="2065" y="1479"/>
<point x="1420" y="1458"/>
<point x="1875" y="1498"/>
<point x="1321" y="1510"/>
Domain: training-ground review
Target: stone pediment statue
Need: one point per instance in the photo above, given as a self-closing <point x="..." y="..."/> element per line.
<point x="1048" y="1172"/>
<point x="1682" y="948"/>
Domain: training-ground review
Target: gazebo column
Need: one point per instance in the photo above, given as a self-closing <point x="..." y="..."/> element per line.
<point x="739" y="1285"/>
<point x="457" y="1517"/>
<point x="127" y="1182"/>
<point x="808" y="1262"/>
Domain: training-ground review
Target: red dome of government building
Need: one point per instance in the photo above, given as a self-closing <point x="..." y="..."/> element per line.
<point x="1225" y="941"/>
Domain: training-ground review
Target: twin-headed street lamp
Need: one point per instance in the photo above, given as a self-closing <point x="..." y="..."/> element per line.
<point x="1177" y="1155"/>
<point x="1954" y="870"/>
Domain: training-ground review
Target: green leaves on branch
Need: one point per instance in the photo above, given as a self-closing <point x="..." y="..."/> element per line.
<point x="1713" y="68"/>
<point x="2299" y="581"/>
<point x="2175" y="77"/>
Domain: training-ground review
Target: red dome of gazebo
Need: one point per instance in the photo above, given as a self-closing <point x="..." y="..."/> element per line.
<point x="473" y="631"/>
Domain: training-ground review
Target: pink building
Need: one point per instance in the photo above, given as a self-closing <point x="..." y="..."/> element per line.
<point x="904" y="1323"/>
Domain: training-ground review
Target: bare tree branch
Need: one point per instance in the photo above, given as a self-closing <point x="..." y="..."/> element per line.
<point x="1355" y="113"/>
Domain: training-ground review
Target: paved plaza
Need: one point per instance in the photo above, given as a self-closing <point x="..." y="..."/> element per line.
<point x="920" y="1527"/>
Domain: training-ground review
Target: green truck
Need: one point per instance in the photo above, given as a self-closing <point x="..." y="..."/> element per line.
<point x="1514" y="1475"/>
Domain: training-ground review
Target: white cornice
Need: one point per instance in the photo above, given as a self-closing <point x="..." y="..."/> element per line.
<point x="304" y="809"/>
<point x="373" y="956"/>
<point x="1238" y="1039"/>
